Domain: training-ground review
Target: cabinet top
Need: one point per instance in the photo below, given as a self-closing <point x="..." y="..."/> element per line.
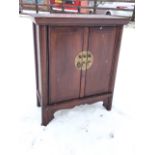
<point x="77" y="19"/>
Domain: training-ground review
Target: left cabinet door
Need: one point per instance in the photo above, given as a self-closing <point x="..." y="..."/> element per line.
<point x="64" y="79"/>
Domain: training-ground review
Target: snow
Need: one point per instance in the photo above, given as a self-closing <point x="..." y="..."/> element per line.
<point x="83" y="130"/>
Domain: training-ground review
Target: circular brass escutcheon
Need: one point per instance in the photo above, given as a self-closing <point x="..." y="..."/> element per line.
<point x="84" y="60"/>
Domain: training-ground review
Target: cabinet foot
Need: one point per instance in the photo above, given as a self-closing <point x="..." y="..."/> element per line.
<point x="107" y="103"/>
<point x="47" y="116"/>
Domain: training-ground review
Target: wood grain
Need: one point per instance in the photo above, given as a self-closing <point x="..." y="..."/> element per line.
<point x="65" y="44"/>
<point x="101" y="44"/>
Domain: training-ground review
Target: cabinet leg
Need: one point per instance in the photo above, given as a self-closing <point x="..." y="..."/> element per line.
<point x="107" y="103"/>
<point x="47" y="115"/>
<point x="38" y="102"/>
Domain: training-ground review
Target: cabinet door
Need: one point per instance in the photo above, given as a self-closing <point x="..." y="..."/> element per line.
<point x="64" y="79"/>
<point x="101" y="45"/>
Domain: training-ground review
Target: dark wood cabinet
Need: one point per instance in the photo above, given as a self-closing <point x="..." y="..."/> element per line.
<point x="64" y="45"/>
<point x="76" y="59"/>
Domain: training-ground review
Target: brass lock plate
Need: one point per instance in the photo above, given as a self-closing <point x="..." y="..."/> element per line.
<point x="84" y="60"/>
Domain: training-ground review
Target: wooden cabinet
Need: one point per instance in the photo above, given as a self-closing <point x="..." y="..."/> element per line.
<point x="76" y="60"/>
<point x="66" y="82"/>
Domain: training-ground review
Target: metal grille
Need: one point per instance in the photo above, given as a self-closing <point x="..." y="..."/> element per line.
<point x="70" y="6"/>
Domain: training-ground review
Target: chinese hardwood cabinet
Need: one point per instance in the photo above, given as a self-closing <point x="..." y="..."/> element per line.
<point x="76" y="59"/>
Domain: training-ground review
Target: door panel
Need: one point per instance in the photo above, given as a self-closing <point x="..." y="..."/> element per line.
<point x="64" y="78"/>
<point x="98" y="76"/>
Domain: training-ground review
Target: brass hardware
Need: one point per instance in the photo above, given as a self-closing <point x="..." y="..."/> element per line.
<point x="84" y="60"/>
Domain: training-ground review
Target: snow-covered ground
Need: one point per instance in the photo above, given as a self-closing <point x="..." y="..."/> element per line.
<point x="84" y="130"/>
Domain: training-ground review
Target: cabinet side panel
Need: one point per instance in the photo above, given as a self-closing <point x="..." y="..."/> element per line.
<point x="41" y="33"/>
<point x="64" y="44"/>
<point x="119" y="31"/>
<point x="37" y="62"/>
<point x="101" y="44"/>
<point x="38" y="58"/>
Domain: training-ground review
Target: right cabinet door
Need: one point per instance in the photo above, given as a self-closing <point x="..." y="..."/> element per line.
<point x="101" y="42"/>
